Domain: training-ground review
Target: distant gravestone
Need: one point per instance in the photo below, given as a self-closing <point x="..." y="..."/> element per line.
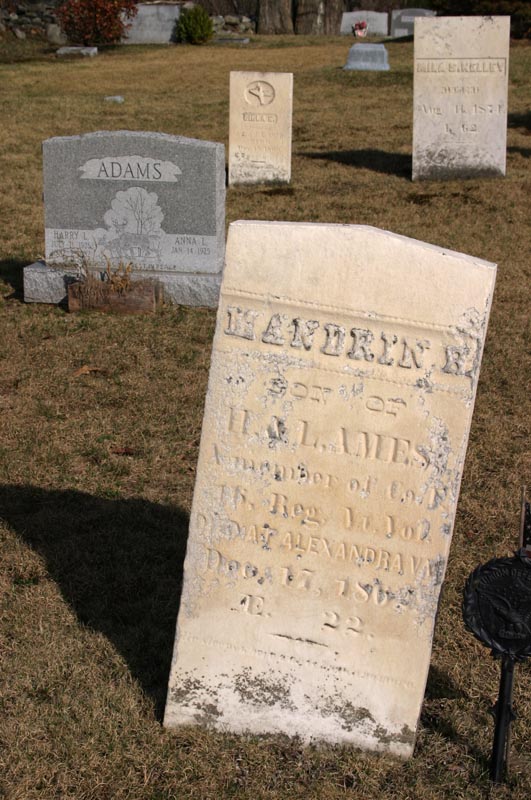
<point x="377" y="23"/>
<point x="403" y="20"/>
<point x="343" y="377"/>
<point x="367" y="57"/>
<point x="151" y="200"/>
<point x="153" y="24"/>
<point x="260" y="127"/>
<point x="460" y="97"/>
<point x="80" y="52"/>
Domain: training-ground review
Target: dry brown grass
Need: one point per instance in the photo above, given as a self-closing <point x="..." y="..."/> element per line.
<point x="97" y="466"/>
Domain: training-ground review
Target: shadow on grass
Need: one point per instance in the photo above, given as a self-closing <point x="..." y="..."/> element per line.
<point x="398" y="164"/>
<point x="118" y="564"/>
<point x="11" y="273"/>
<point x="523" y="151"/>
<point x="441" y="687"/>
<point x="520" y="120"/>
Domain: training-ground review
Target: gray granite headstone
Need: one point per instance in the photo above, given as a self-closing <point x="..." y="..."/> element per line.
<point x="367" y="57"/>
<point x="377" y="22"/>
<point x="149" y="199"/>
<point x="403" y="20"/>
<point x="153" y="24"/>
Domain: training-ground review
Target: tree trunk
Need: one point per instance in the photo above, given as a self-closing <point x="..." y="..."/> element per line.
<point x="333" y="14"/>
<point x="310" y="16"/>
<point x="274" y="16"/>
<point x="319" y="16"/>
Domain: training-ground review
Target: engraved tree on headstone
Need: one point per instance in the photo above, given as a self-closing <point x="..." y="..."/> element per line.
<point x="135" y="220"/>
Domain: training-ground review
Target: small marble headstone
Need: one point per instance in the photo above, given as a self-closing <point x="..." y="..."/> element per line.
<point x="377" y="22"/>
<point x="343" y="377"/>
<point x="367" y="57"/>
<point x="460" y="97"/>
<point x="403" y="20"/>
<point x="151" y="200"/>
<point x="260" y="127"/>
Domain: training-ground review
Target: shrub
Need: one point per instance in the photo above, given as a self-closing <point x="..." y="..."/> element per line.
<point x="96" y="21"/>
<point x="194" y="26"/>
<point x="519" y="11"/>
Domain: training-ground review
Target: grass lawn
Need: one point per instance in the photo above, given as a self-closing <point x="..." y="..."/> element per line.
<point x="97" y="466"/>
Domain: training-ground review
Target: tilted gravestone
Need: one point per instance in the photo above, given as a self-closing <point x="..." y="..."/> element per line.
<point x="403" y="20"/>
<point x="377" y="22"/>
<point x="340" y="397"/>
<point x="460" y="97"/>
<point x="151" y="200"/>
<point x="367" y="57"/>
<point x="260" y="127"/>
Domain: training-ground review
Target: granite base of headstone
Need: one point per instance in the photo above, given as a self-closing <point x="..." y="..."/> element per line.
<point x="149" y="201"/>
<point x="367" y="57"/>
<point x="44" y="284"/>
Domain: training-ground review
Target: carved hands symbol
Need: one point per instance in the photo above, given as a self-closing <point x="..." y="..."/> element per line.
<point x="259" y="93"/>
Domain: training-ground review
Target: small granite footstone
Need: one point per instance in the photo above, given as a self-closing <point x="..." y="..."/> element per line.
<point x="367" y="57"/>
<point x="461" y="67"/>
<point x="83" y="52"/>
<point x="343" y="376"/>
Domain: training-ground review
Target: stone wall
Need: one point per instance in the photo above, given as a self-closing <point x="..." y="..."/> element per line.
<point x="233" y="24"/>
<point x="26" y="18"/>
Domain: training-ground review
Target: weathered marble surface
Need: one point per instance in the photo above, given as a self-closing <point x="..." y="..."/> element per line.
<point x="260" y="127"/>
<point x="460" y="97"/>
<point x="343" y="377"/>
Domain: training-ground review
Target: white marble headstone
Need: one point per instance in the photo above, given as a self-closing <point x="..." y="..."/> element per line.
<point x="460" y="97"/>
<point x="342" y="383"/>
<point x="260" y="127"/>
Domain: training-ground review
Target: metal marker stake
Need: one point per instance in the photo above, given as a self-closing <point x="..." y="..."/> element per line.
<point x="497" y="610"/>
<point x="504" y="717"/>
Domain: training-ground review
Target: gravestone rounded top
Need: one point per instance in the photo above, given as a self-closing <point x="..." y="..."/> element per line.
<point x="497" y="606"/>
<point x="134" y="135"/>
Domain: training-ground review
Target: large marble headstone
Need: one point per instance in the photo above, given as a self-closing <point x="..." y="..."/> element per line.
<point x="260" y="127"/>
<point x="149" y="199"/>
<point x="377" y="22"/>
<point x="403" y="20"/>
<point x="460" y="97"/>
<point x="343" y="378"/>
